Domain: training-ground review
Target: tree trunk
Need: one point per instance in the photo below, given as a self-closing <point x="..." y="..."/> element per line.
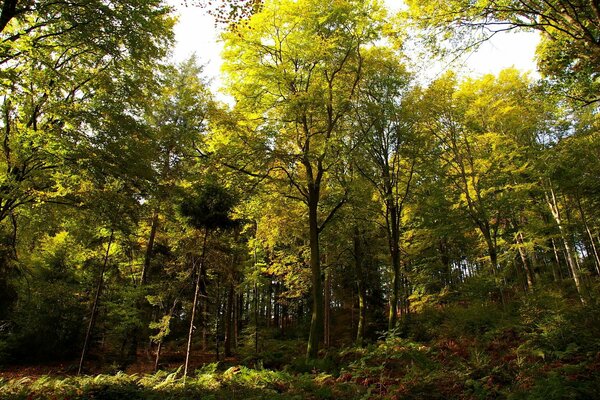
<point x="394" y="242"/>
<point x="276" y="305"/>
<point x="90" y="328"/>
<point x="149" y="248"/>
<point x="141" y="303"/>
<point x="360" y="282"/>
<point x="327" y="311"/>
<point x="594" y="250"/>
<point x="316" y="322"/>
<point x="239" y="317"/>
<point x="157" y="359"/>
<point x="229" y="323"/>
<point x="217" y="315"/>
<point x="269" y="305"/>
<point x="557" y="277"/>
<point x="9" y="11"/>
<point x="553" y="205"/>
<point x="525" y="261"/>
<point x="194" y="303"/>
<point x="256" y="317"/>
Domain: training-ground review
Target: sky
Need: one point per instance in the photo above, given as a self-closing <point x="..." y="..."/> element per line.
<point x="195" y="32"/>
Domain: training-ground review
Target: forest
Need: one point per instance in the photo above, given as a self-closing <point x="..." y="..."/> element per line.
<point x="333" y="227"/>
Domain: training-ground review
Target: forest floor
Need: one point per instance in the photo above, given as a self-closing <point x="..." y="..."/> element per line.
<point x="534" y="351"/>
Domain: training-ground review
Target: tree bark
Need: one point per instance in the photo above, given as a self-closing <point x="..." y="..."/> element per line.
<point x="9" y="11"/>
<point x="394" y="240"/>
<point x="316" y="322"/>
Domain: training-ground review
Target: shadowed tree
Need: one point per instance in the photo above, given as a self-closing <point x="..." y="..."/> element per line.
<point x="208" y="208"/>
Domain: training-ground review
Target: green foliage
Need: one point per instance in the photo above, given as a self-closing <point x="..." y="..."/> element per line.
<point x="209" y="383"/>
<point x="568" y="53"/>
<point x="47" y="319"/>
<point x="556" y="329"/>
<point x="209" y="207"/>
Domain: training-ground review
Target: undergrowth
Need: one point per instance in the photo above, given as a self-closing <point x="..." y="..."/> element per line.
<point x="539" y="347"/>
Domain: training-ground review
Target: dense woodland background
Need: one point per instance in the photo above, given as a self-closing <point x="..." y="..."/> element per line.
<point x="342" y="229"/>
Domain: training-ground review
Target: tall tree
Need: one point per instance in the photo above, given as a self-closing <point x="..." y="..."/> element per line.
<point x="295" y="69"/>
<point x="481" y="147"/>
<point x="391" y="147"/>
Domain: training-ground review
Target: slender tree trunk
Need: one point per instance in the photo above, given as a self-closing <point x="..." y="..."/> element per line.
<point x="525" y="261"/>
<point x="256" y="317"/>
<point x="141" y="304"/>
<point x="236" y="318"/>
<point x="594" y="250"/>
<point x="240" y="318"/>
<point x="493" y="255"/>
<point x="204" y="308"/>
<point x="316" y="323"/>
<point x="195" y="303"/>
<point x="394" y="239"/>
<point x="269" y="305"/>
<point x="229" y="323"/>
<point x="552" y="204"/>
<point x="92" y="322"/>
<point x="327" y="311"/>
<point x="157" y="359"/>
<point x="557" y="278"/>
<point x="360" y="282"/>
<point x="276" y="305"/>
<point x="149" y="248"/>
<point x="217" y="316"/>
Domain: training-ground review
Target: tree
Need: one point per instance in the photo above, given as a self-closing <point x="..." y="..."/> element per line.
<point x="207" y="209"/>
<point x="177" y="116"/>
<point x="569" y="53"/>
<point x="71" y="85"/>
<point x="60" y="60"/>
<point x="482" y="148"/>
<point x="295" y="69"/>
<point x="391" y="148"/>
